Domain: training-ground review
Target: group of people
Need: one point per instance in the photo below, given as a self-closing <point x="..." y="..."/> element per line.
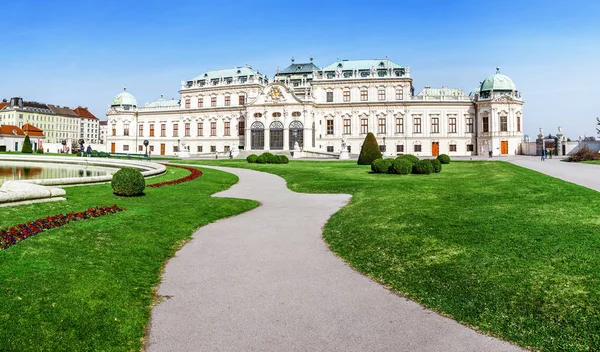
<point x="545" y="153"/>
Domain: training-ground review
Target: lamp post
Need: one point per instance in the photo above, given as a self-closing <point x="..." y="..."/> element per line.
<point x="136" y="128"/>
<point x="146" y="145"/>
<point x="384" y="147"/>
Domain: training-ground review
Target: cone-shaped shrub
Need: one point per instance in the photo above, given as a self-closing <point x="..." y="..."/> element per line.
<point x="369" y="151"/>
<point x="27" y="146"/>
<point x="128" y="182"/>
<point x="444" y="158"/>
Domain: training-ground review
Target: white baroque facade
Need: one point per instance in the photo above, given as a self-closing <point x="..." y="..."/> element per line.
<point x="319" y="109"/>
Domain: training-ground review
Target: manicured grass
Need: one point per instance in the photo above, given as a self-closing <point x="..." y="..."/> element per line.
<point x="503" y="249"/>
<point x="597" y="162"/>
<point x="88" y="286"/>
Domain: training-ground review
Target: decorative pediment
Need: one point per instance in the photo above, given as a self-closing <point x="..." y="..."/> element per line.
<point x="276" y="93"/>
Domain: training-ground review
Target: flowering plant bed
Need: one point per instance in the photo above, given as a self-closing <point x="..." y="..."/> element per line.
<point x="195" y="173"/>
<point x="15" y="234"/>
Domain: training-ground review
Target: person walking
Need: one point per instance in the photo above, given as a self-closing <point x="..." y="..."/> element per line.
<point x="542" y="154"/>
<point x="89" y="151"/>
<point x="550" y="153"/>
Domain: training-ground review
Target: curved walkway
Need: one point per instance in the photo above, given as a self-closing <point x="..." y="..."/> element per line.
<point x="265" y="281"/>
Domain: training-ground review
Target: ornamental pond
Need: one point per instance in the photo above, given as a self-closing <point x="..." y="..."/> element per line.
<point x="13" y="170"/>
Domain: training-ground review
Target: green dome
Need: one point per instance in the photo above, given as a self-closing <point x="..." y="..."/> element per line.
<point x="124" y="99"/>
<point x="498" y="81"/>
<point x="162" y="103"/>
<point x="475" y="91"/>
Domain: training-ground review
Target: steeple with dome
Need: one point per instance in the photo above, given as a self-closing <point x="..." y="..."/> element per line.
<point x="124" y="100"/>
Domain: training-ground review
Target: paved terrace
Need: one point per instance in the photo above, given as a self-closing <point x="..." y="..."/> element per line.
<point x="265" y="281"/>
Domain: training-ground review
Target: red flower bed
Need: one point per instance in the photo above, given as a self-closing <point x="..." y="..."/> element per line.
<point x="13" y="235"/>
<point x="195" y="173"/>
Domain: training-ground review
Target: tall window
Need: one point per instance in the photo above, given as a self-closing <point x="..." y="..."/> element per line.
<point x="518" y="123"/>
<point x="347" y="126"/>
<point x="364" y="126"/>
<point x="200" y="129"/>
<point x="381" y="127"/>
<point x="199" y="149"/>
<point x="213" y="128"/>
<point x="486" y="124"/>
<point x="175" y="130"/>
<point x="227" y="128"/>
<point x="187" y="129"/>
<point x="126" y="130"/>
<point x="452" y="125"/>
<point x="417" y="148"/>
<point x="399" y="125"/>
<point x="163" y="130"/>
<point x="381" y="94"/>
<point x="503" y="123"/>
<point x="399" y="94"/>
<point x="242" y="100"/>
<point x="241" y="127"/>
<point x="187" y="103"/>
<point x="400" y="148"/>
<point x="227" y="100"/>
<point x="329" y="97"/>
<point x="417" y="123"/>
<point x="200" y="102"/>
<point x="213" y="101"/>
<point x="114" y="130"/>
<point x="364" y="95"/>
<point x="329" y="126"/>
<point x="435" y="125"/>
<point x="469" y="125"/>
<point x="140" y="130"/>
<point x="346" y="95"/>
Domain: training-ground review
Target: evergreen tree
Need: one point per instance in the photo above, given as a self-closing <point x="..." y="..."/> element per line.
<point x="369" y="151"/>
<point x="27" y="146"/>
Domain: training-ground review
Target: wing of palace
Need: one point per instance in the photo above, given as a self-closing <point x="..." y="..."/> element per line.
<point x="317" y="109"/>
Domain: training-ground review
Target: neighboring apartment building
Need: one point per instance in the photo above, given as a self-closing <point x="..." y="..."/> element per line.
<point x="103" y="128"/>
<point x="89" y="129"/>
<point x="321" y="109"/>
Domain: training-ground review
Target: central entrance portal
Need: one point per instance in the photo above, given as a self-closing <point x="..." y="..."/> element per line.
<point x="296" y="134"/>
<point x="276" y="134"/>
<point x="257" y="135"/>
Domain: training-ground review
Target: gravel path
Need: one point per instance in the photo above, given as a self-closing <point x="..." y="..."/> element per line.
<point x="265" y="281"/>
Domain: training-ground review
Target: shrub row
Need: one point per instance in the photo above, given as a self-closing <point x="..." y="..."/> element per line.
<point x="406" y="164"/>
<point x="194" y="174"/>
<point x="15" y="234"/>
<point x="267" y="158"/>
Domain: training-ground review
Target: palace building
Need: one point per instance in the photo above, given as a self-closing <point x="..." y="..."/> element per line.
<point x="319" y="109"/>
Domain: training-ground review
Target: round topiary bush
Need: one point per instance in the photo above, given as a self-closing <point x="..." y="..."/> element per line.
<point x="381" y="166"/>
<point x="444" y="158"/>
<point x="369" y="151"/>
<point x="413" y="159"/>
<point x="283" y="159"/>
<point x="270" y="158"/>
<point x="423" y="167"/>
<point x="128" y="182"/>
<point x="261" y="159"/>
<point x="437" y="166"/>
<point x="251" y="158"/>
<point x="401" y="166"/>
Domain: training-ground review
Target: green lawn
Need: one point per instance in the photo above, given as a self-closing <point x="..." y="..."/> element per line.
<point x="500" y="248"/>
<point x="597" y="162"/>
<point x="88" y="286"/>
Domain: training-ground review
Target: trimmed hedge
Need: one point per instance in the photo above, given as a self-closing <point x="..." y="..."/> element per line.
<point x="444" y="158"/>
<point x="437" y="165"/>
<point x="413" y="159"/>
<point x="128" y="182"/>
<point x="267" y="158"/>
<point x="252" y="158"/>
<point x="401" y="166"/>
<point x="423" y="167"/>
<point x="369" y="151"/>
<point x="40" y="151"/>
<point x="283" y="159"/>
<point x="381" y="166"/>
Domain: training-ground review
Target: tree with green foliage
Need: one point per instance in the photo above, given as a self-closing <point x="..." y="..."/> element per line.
<point x="27" y="146"/>
<point x="369" y="151"/>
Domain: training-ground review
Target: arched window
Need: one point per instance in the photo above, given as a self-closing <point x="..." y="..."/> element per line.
<point x="276" y="135"/>
<point x="296" y="134"/>
<point x="257" y="135"/>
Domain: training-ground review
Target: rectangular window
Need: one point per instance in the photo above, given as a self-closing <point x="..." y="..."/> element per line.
<point x="382" y="148"/>
<point x="126" y="130"/>
<point x="364" y="126"/>
<point x="469" y="147"/>
<point x="417" y="123"/>
<point x="435" y="125"/>
<point x="329" y="149"/>
<point x="381" y="94"/>
<point x="469" y="125"/>
<point x="199" y="149"/>
<point x="140" y="148"/>
<point x="241" y="127"/>
<point x="114" y="131"/>
<point x="503" y="124"/>
<point x="346" y="95"/>
<point x="200" y="102"/>
<point x="187" y="129"/>
<point x="141" y="130"/>
<point x="400" y="148"/>
<point x="399" y="94"/>
<point x="364" y="95"/>
<point x="381" y="128"/>
<point x="417" y="148"/>
<point x="213" y="101"/>
<point x="329" y="97"/>
<point x="213" y="148"/>
<point x="227" y="128"/>
<point x="187" y="103"/>
<point x="175" y="130"/>
<point x="518" y="123"/>
<point x="399" y="125"/>
<point x="213" y="129"/>
<point x="241" y="100"/>
<point x="226" y="148"/>
<point x="163" y="130"/>
<point x="176" y="148"/>
<point x="227" y="100"/>
<point x="200" y="131"/>
<point x="329" y="126"/>
<point x="486" y="125"/>
<point x="126" y="148"/>
<point x="452" y="125"/>
<point x="347" y="126"/>
<point x="452" y="147"/>
<point x="151" y="148"/>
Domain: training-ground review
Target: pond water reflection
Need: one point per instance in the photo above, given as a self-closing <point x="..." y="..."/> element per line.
<point x="29" y="171"/>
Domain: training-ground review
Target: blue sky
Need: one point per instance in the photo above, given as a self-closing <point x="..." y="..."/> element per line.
<point x="84" y="52"/>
